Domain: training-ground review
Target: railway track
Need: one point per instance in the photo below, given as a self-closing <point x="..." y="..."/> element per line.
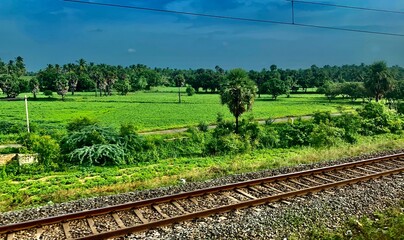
<point x="138" y="216"/>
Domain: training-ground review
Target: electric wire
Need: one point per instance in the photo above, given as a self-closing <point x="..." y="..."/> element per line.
<point x="346" y="6"/>
<point x="233" y="18"/>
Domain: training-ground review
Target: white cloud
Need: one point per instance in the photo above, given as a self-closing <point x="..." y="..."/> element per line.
<point x="131" y="50"/>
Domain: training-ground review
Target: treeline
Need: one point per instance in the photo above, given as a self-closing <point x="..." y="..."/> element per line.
<point x="103" y="79"/>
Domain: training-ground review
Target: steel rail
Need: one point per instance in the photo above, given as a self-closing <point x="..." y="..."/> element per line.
<point x="169" y="198"/>
<point x="245" y="204"/>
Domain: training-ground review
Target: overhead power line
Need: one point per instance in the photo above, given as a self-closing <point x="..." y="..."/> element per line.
<point x="346" y="6"/>
<point x="233" y="18"/>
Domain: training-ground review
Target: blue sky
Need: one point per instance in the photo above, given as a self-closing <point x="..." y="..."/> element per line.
<point x="54" y="31"/>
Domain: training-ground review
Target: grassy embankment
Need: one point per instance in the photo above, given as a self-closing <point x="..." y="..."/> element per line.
<point x="29" y="190"/>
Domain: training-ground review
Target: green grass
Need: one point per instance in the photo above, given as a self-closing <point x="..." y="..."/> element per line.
<point x="157" y="109"/>
<point x="27" y="190"/>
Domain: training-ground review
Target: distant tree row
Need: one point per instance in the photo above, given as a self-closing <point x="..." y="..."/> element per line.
<point x="352" y="81"/>
<point x="11" y="82"/>
<point x="378" y="83"/>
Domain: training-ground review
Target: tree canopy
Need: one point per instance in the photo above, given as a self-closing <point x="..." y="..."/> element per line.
<point x="238" y="93"/>
<point x="379" y="82"/>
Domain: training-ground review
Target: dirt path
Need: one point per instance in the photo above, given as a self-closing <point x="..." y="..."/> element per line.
<point x="179" y="130"/>
<point x="2" y="146"/>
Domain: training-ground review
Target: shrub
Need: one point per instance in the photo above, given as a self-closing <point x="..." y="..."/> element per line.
<point x="203" y="126"/>
<point x="321" y="117"/>
<point x="223" y="127"/>
<point x="129" y="139"/>
<point x="190" y="90"/>
<point x="249" y="131"/>
<point x="268" y="138"/>
<point x="231" y="143"/>
<point x="295" y="134"/>
<point x="98" y="154"/>
<point x="48" y="93"/>
<point x="400" y="107"/>
<point x="377" y="119"/>
<point x="88" y="136"/>
<point x="79" y="123"/>
<point x="351" y="124"/>
<point x="324" y="134"/>
<point x="47" y="148"/>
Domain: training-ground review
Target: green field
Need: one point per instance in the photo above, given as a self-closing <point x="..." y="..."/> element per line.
<point x="158" y="109"/>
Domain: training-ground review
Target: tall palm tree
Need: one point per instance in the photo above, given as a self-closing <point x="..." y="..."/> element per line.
<point x="379" y="82"/>
<point x="238" y="93"/>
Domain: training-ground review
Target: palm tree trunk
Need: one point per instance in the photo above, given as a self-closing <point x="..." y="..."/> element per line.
<point x="179" y="94"/>
<point x="236" y="124"/>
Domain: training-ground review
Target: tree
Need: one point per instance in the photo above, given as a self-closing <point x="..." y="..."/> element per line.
<point x="275" y="87"/>
<point x="137" y="83"/>
<point x="122" y="86"/>
<point x="62" y="86"/>
<point x="179" y="80"/>
<point x="354" y="90"/>
<point x="34" y="85"/>
<point x="379" y="81"/>
<point x="330" y="90"/>
<point x="19" y="66"/>
<point x="259" y="78"/>
<point x="3" y="67"/>
<point x="96" y="77"/>
<point x="72" y="79"/>
<point x="238" y="93"/>
<point x="10" y="85"/>
<point x="48" y="77"/>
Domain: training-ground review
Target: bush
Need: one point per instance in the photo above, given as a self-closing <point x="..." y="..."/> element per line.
<point x="249" y="131"/>
<point x="268" y="138"/>
<point x="129" y="139"/>
<point x="203" y="126"/>
<point x="190" y="90"/>
<point x="400" y="107"/>
<point x="377" y="119"/>
<point x="223" y="127"/>
<point x="48" y="93"/>
<point x="351" y="124"/>
<point x="295" y="134"/>
<point x="326" y="135"/>
<point x="98" y="154"/>
<point x="47" y="148"/>
<point x="226" y="144"/>
<point x="88" y="136"/>
<point x="321" y="117"/>
<point x="79" y="123"/>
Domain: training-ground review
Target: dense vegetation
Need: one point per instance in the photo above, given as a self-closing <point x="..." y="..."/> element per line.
<point x="87" y="143"/>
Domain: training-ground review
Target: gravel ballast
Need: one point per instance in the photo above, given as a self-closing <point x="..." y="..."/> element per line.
<point x="263" y="222"/>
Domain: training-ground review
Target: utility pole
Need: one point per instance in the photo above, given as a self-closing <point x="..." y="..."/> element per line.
<point x="293" y="11"/>
<point x="26" y="112"/>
